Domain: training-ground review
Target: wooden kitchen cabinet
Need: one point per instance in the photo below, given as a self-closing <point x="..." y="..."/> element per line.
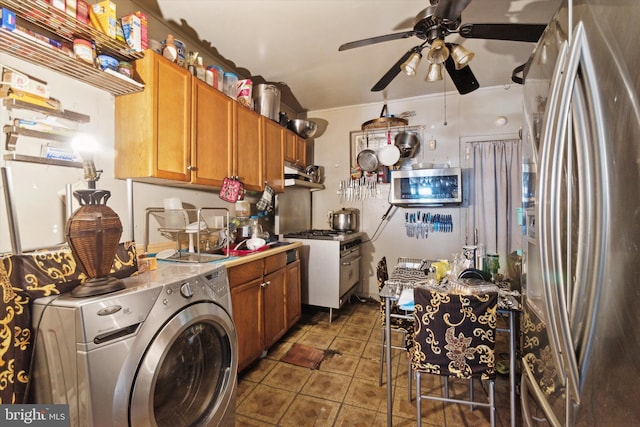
<point x="212" y="141"/>
<point x="246" y="282"/>
<point x="153" y="127"/>
<point x="249" y="149"/>
<point x="273" y="135"/>
<point x="263" y="295"/>
<point x="295" y="150"/>
<point x="293" y="295"/>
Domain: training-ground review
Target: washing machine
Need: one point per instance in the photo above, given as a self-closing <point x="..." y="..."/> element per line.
<point x="161" y="352"/>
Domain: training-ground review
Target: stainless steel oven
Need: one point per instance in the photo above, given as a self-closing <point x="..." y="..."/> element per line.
<point x="330" y="266"/>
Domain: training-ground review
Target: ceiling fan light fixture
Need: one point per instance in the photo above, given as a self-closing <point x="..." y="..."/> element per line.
<point x="439" y="52"/>
<point x="411" y="65"/>
<point x="461" y="56"/>
<point x="435" y="72"/>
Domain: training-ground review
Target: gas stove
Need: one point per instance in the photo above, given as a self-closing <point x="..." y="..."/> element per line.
<point x="315" y="234"/>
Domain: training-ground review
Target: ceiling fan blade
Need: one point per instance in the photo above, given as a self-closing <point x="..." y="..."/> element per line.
<point x="378" y="39"/>
<point x="451" y="9"/>
<point x="513" y="32"/>
<point x="463" y="79"/>
<point x="391" y="74"/>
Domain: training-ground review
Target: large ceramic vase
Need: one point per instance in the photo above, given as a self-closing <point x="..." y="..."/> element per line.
<point x="93" y="234"/>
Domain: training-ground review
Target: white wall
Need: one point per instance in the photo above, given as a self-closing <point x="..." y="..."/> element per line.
<point x="468" y="117"/>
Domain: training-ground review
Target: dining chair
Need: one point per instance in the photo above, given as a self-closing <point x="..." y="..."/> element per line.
<point x="454" y="337"/>
<point x="397" y="325"/>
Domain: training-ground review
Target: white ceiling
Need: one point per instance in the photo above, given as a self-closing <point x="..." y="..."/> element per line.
<point x="296" y="42"/>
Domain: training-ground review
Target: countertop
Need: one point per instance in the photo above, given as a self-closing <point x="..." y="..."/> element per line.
<point x="234" y="261"/>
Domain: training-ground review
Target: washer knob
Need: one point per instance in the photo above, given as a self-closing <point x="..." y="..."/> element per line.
<point x="185" y="290"/>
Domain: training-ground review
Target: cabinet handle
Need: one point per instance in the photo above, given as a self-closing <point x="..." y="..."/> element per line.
<point x="191" y="168"/>
<point x="265" y="284"/>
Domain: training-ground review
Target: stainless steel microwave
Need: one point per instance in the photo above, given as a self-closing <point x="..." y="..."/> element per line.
<point x="425" y="187"/>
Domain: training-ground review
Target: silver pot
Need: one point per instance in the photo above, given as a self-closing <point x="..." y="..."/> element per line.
<point x="344" y="220"/>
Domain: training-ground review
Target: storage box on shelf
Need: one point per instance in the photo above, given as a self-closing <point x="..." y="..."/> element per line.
<point x="62" y="25"/>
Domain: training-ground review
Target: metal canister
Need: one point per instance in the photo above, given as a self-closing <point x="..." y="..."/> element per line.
<point x="267" y="100"/>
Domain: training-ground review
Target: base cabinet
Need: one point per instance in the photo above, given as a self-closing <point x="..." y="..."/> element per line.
<point x="265" y="297"/>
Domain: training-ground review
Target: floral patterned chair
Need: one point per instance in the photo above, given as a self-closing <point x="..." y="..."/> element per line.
<point x="24" y="278"/>
<point x="455" y="338"/>
<point x="404" y="326"/>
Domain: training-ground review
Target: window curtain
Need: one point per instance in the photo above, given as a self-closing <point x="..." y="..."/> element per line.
<point x="497" y="171"/>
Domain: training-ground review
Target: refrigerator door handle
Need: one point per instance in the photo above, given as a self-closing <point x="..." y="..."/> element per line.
<point x="547" y="194"/>
<point x="529" y="387"/>
<point x="589" y="230"/>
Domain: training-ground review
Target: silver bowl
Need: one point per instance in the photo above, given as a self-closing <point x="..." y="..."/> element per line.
<point x="304" y="128"/>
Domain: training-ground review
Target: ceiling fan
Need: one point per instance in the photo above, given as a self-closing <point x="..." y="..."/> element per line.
<point x="441" y="18"/>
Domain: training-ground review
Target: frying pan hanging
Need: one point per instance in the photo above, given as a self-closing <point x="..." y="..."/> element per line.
<point x="367" y="159"/>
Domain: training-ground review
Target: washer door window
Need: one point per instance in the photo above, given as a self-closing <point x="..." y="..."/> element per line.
<point x="187" y="375"/>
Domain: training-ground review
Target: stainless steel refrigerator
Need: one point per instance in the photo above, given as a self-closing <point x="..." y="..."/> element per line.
<point x="581" y="320"/>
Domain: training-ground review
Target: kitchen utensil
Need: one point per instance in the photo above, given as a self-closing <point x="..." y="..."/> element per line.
<point x="367" y="160"/>
<point x="304" y="128"/>
<point x="255" y="243"/>
<point x="388" y="155"/>
<point x="385" y="120"/>
<point x="346" y="219"/>
<point x="407" y="143"/>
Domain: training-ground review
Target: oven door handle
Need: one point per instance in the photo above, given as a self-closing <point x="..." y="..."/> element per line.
<point x="351" y="261"/>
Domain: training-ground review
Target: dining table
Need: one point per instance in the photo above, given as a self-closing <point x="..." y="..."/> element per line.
<point x="400" y="285"/>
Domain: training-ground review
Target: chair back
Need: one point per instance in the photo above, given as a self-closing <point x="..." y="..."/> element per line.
<point x="454" y="334"/>
<point x="382" y="272"/>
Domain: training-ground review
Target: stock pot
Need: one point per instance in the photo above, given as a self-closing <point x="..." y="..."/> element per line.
<point x="346" y="219"/>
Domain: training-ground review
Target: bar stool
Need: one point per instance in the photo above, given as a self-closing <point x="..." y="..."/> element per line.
<point x="455" y="338"/>
<point x="404" y="326"/>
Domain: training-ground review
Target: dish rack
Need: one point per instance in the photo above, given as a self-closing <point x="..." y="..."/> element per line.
<point x="201" y="234"/>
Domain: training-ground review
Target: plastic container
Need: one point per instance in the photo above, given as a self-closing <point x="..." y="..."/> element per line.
<point x="105" y="61"/>
<point x="125" y="68"/>
<point x="230" y="85"/>
<point x="83" y="50"/>
<point x="218" y="77"/>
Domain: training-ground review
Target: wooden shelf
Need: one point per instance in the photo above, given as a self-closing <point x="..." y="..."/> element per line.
<point x="40" y="53"/>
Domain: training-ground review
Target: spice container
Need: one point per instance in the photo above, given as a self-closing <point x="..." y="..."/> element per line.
<point x="83" y="50"/>
<point x="230" y="85"/>
<point x="125" y="68"/>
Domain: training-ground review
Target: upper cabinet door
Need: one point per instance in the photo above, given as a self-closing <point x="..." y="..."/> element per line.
<point x="274" y="147"/>
<point x="249" y="152"/>
<point x="212" y="135"/>
<point x="153" y="127"/>
<point x="173" y="121"/>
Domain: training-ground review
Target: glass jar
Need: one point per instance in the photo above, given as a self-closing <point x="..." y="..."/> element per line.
<point x="256" y="228"/>
<point x="243" y="208"/>
<point x="230" y="85"/>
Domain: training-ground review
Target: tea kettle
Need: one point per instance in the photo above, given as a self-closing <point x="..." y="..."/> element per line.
<point x="346" y="219"/>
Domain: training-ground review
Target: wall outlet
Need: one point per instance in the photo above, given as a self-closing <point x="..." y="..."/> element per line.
<point x="432" y="144"/>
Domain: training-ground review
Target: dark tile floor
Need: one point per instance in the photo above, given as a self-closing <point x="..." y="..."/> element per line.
<point x="344" y="390"/>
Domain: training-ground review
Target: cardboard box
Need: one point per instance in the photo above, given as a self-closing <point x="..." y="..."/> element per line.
<point x="134" y="28"/>
<point x="8" y="19"/>
<point x="22" y="82"/>
<point x="103" y="17"/>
